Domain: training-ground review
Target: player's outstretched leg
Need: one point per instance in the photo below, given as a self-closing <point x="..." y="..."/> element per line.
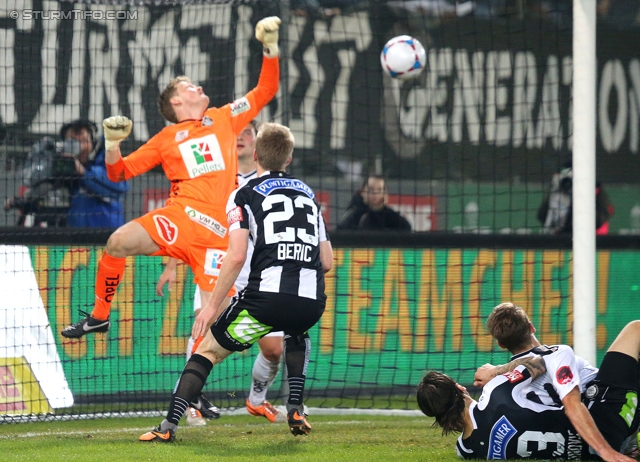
<point x="110" y="271"/>
<point x="189" y="386"/>
<point x="297" y="347"/>
<point x="87" y="325"/>
<point x="200" y="408"/>
<point x="129" y="239"/>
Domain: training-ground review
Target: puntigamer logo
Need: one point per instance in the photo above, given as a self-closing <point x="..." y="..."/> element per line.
<point x="202" y="155"/>
<point x="500" y="435"/>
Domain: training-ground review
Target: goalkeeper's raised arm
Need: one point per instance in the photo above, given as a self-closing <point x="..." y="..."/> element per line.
<point x="245" y="109"/>
<point x="116" y="129"/>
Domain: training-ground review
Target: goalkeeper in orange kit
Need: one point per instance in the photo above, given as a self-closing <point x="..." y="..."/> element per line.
<point x="198" y="154"/>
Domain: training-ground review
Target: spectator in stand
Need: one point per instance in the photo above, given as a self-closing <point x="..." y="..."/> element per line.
<point x="96" y="201"/>
<point x="555" y="212"/>
<point x="620" y="14"/>
<point x="369" y="210"/>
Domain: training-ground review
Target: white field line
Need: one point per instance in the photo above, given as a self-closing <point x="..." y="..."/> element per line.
<point x="142" y="429"/>
<point x="226" y="411"/>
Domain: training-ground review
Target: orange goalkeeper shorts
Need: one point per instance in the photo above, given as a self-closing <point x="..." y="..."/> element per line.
<point x="193" y="233"/>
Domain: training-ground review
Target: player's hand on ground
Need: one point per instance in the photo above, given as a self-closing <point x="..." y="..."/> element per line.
<point x="168" y="277"/>
<point x="267" y="33"/>
<point x="483" y="375"/>
<point x="116" y="129"/>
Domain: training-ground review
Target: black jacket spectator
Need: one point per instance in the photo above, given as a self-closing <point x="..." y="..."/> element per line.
<point x="368" y="209"/>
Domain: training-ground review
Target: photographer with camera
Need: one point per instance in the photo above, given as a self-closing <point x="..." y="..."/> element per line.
<point x="556" y="211"/>
<point x="66" y="184"/>
<point x="96" y="201"/>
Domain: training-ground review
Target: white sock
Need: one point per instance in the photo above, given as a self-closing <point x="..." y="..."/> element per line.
<point x="190" y="347"/>
<point x="262" y="375"/>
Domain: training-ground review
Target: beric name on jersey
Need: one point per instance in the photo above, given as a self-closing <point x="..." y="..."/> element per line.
<point x="286" y="227"/>
<point x="301" y="252"/>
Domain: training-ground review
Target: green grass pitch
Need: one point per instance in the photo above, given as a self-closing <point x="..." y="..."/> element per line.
<point x="231" y="438"/>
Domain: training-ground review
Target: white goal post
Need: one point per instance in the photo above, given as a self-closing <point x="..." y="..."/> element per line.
<point x="584" y="178"/>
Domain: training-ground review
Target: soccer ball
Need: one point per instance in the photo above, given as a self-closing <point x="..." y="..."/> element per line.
<point x="403" y="57"/>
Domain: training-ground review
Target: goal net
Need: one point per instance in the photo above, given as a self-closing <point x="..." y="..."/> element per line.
<point x="470" y="149"/>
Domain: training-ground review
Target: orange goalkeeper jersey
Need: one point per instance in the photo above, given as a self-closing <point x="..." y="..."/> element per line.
<point x="200" y="157"/>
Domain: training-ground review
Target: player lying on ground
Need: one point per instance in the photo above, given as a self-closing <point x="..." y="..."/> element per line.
<point x="566" y="378"/>
<point x="286" y="283"/>
<point x="502" y="424"/>
<point x="506" y="424"/>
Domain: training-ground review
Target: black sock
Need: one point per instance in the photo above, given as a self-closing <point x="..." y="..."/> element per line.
<point x="189" y="386"/>
<point x="296" y="354"/>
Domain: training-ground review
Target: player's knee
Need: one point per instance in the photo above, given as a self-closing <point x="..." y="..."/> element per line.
<point x="116" y="244"/>
<point x="296" y="342"/>
<point x="634" y="328"/>
<point x="271" y="348"/>
<point x="273" y="355"/>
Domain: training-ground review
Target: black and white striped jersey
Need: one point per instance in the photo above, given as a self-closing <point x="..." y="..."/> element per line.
<point x="286" y="226"/>
<point x="565" y="371"/>
<point x="507" y="425"/>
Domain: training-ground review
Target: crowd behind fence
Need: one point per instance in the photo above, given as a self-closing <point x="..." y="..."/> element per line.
<point x="471" y="145"/>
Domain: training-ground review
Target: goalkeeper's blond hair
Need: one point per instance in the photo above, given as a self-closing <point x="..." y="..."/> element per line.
<point x="164" y="100"/>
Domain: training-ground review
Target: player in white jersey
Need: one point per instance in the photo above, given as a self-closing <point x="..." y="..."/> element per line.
<point x="512" y="329"/>
<point x="566" y="378"/>
<point x="267" y="363"/>
<point x="502" y="424"/>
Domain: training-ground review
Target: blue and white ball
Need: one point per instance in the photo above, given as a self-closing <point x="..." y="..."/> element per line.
<point x="403" y="57"/>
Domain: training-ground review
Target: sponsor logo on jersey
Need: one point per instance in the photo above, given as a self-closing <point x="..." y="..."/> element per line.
<point x="213" y="262"/>
<point x="206" y="121"/>
<point x="564" y="375"/>
<point x="202" y="155"/>
<point x="266" y="187"/>
<point x="166" y="229"/>
<point x="499" y="438"/>
<point x="208" y="222"/>
<point x="234" y="215"/>
<point x="181" y="135"/>
<point x="513" y="376"/>
<point x="239" y="106"/>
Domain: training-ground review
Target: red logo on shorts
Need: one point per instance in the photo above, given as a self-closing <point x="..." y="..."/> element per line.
<point x="564" y="375"/>
<point x="234" y="215"/>
<point x="166" y="229"/>
<point x="513" y="376"/>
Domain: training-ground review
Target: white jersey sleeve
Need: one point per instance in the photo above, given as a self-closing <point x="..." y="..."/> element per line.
<point x="587" y="372"/>
<point x="562" y="370"/>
